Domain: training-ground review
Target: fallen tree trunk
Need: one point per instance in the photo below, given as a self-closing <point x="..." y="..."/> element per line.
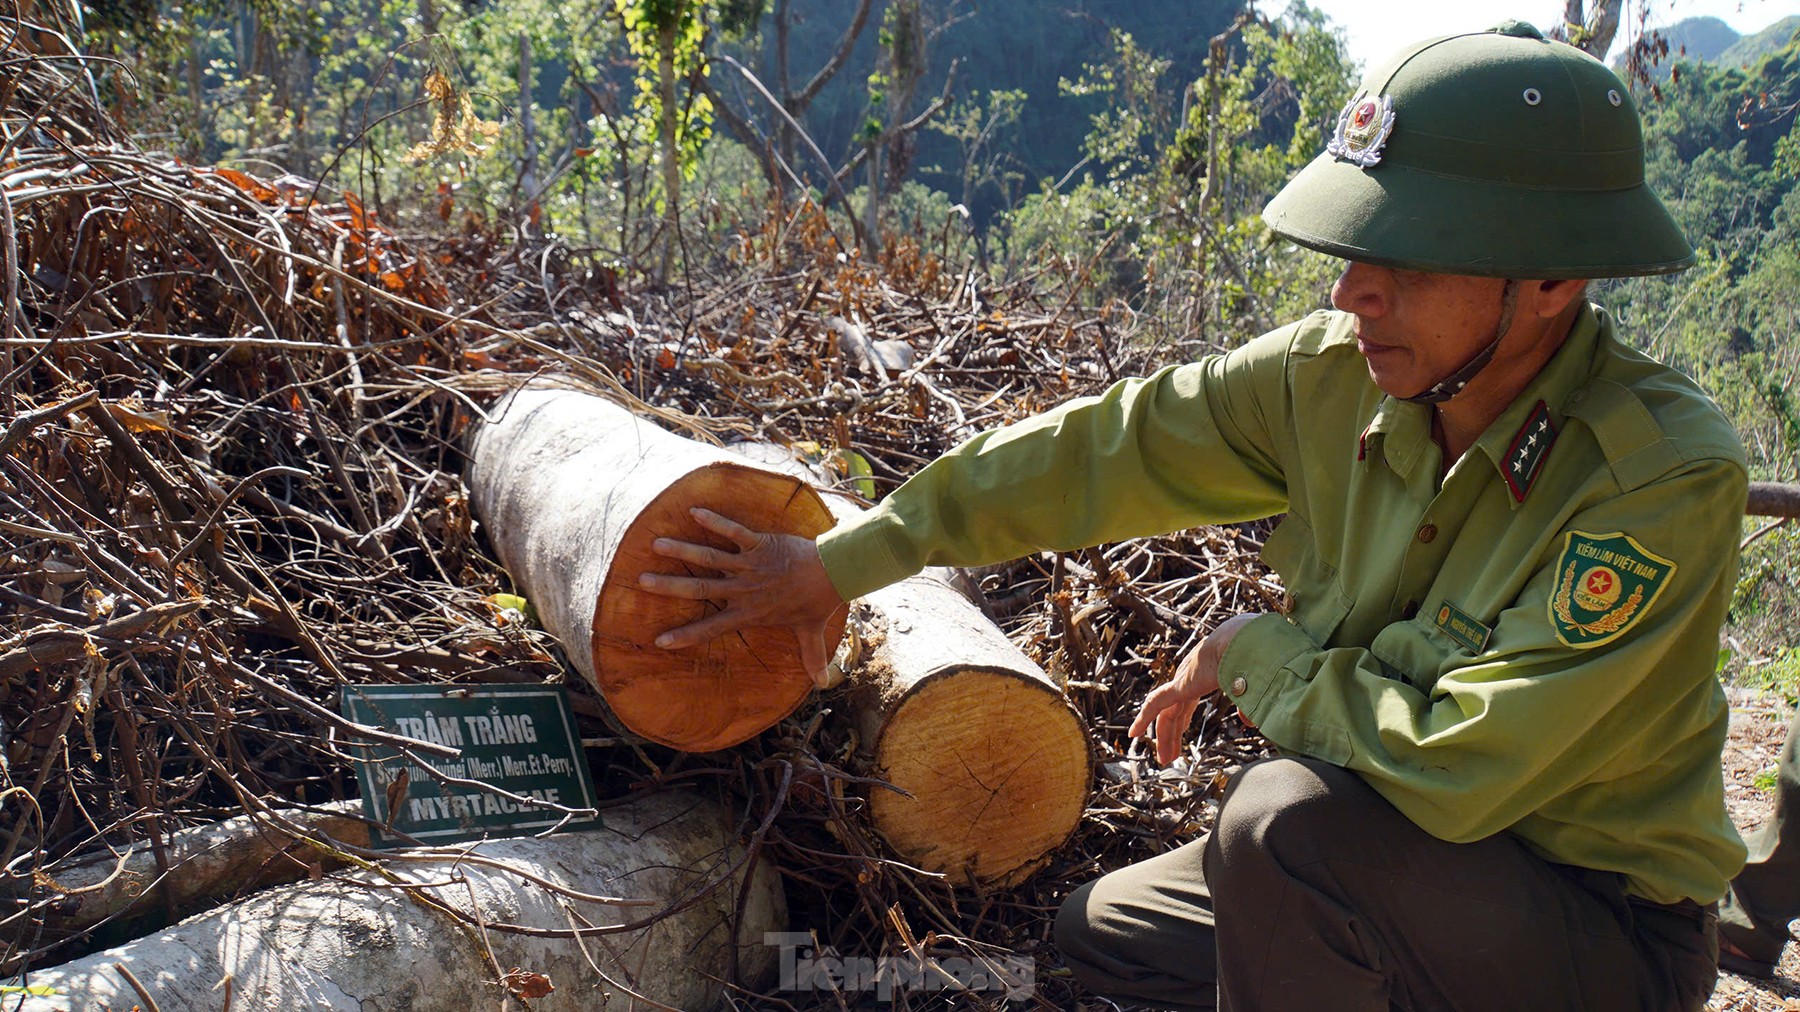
<point x="197" y="867"/>
<point x="991" y="754"/>
<point x="573" y="489"/>
<point x="1773" y="499"/>
<point x="361" y="944"/>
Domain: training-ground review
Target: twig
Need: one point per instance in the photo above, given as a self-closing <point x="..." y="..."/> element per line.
<point x="136" y="985"/>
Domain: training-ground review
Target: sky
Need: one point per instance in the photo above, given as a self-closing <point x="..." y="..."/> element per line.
<point x="1376" y="27"/>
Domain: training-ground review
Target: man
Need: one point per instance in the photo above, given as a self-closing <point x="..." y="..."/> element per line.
<point x="1510" y="541"/>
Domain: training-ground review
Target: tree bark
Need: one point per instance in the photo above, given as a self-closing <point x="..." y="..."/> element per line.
<point x="671" y="150"/>
<point x="1597" y="26"/>
<point x="357" y="943"/>
<point x="205" y="864"/>
<point x="872" y="207"/>
<point x="573" y="489"/>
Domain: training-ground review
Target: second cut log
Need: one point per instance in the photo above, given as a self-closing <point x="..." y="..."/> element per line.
<point x="991" y="752"/>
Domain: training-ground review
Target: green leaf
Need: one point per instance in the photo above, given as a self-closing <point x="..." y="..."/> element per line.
<point x="856" y="467"/>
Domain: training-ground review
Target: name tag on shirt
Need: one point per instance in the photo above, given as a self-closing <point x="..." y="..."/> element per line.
<point x="1461" y="626"/>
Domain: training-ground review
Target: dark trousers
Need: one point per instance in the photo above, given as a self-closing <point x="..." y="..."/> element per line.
<point x="1314" y="893"/>
<point x="1766" y="894"/>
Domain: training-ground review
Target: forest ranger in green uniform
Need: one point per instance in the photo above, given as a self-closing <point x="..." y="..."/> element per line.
<point x="1510" y="540"/>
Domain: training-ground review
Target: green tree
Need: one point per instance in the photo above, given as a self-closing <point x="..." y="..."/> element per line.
<point x="669" y="36"/>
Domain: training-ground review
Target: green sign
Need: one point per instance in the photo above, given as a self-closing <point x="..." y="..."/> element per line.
<point x="518" y="770"/>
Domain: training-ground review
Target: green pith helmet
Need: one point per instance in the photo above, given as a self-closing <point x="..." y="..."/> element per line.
<point x="1496" y="153"/>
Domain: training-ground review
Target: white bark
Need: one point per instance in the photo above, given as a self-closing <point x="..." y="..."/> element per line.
<point x="204" y="863"/>
<point x="358" y="945"/>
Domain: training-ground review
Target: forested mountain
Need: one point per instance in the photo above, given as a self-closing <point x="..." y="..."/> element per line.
<point x="1753" y="47"/>
<point x="1699" y="38"/>
<point x="1710" y="40"/>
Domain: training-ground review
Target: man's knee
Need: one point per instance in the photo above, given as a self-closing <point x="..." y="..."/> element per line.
<point x="1087" y="934"/>
<point x="1276" y="805"/>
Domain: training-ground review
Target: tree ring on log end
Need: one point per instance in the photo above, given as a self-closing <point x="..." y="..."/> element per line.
<point x="729" y="689"/>
<point x="998" y="768"/>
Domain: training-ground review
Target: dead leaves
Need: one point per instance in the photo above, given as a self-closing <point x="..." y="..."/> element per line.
<point x="525" y="984"/>
<point x="455" y="129"/>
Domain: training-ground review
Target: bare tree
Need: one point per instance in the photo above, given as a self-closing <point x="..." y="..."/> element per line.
<point x="528" y="156"/>
<point x="777" y="78"/>
<point x="1589" y="25"/>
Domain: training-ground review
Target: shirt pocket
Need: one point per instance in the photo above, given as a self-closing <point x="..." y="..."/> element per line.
<point x="1320" y="604"/>
<point x="1413" y="652"/>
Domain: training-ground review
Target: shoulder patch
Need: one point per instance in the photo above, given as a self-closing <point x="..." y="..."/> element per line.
<point x="1605" y="583"/>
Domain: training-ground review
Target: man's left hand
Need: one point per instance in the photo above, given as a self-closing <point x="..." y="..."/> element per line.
<point x="1170" y="706"/>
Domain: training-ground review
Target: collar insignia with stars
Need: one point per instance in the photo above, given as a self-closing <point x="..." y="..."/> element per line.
<point x="1525" y="457"/>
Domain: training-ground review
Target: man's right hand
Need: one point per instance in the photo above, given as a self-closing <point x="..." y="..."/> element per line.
<point x="770" y="581"/>
<point x="1169" y="707"/>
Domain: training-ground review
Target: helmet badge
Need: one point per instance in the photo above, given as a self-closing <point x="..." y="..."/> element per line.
<point x="1362" y="130"/>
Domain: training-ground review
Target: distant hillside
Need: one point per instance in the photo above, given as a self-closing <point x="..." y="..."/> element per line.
<point x="1751" y="48"/>
<point x="1699" y="38"/>
<point x="1710" y="40"/>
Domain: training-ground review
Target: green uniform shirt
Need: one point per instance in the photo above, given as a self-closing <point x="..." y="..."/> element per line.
<point x="1529" y="645"/>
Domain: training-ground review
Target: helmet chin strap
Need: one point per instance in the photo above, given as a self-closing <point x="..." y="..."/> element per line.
<point x="1454" y="383"/>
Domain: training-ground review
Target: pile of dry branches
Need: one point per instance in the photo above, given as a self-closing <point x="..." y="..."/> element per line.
<point x="229" y="484"/>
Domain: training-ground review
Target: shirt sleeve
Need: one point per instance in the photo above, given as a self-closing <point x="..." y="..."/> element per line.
<point x="1192" y="444"/>
<point x="1533" y="728"/>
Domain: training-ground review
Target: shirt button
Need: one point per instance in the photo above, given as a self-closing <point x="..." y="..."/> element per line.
<point x="1428" y="533"/>
<point x="1239" y="686"/>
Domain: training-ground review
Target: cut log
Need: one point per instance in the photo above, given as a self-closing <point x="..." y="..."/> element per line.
<point x="1773" y="499"/>
<point x="573" y="489"/>
<point x="994" y="756"/>
<point x="992" y="753"/>
<point x="361" y="945"/>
